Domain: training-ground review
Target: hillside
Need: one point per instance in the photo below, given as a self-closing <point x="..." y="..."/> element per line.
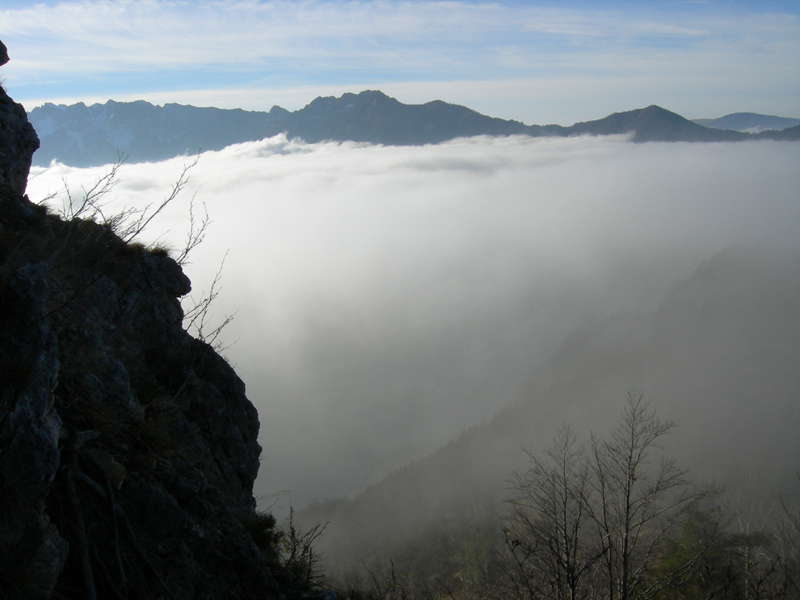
<point x="718" y="356"/>
<point x="655" y="124"/>
<point x="749" y="122"/>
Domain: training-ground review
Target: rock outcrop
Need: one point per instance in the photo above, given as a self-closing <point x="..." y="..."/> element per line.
<point x="18" y="140"/>
<point x="127" y="447"/>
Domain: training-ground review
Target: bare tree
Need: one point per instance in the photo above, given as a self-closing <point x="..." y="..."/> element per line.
<point x="546" y="533"/>
<point x="788" y="537"/>
<point x="636" y="504"/>
<point x="593" y="523"/>
<point x="386" y="583"/>
<point x="299" y="557"/>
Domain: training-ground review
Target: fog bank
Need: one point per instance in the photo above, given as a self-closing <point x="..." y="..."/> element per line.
<point x="388" y="298"/>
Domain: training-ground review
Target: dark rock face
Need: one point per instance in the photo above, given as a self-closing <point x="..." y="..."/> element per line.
<point x="18" y="141"/>
<point x="127" y="447"/>
<point x="29" y="432"/>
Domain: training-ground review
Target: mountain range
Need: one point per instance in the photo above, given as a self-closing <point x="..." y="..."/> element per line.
<point x="82" y="136"/>
<point x="749" y="122"/>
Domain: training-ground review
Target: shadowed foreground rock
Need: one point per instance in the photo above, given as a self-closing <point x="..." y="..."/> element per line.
<point x="18" y="140"/>
<point x="127" y="448"/>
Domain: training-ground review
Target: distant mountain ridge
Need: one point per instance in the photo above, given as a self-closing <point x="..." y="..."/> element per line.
<point x="749" y="122"/>
<point x="81" y="135"/>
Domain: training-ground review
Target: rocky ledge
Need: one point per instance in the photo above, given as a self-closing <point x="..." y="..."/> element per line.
<point x="127" y="447"/>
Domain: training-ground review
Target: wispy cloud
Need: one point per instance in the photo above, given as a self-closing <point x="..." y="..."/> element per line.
<point x="92" y="49"/>
<point x="613" y="25"/>
<point x="127" y="35"/>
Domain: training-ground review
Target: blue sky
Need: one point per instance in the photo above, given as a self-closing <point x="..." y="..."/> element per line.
<point x="537" y="62"/>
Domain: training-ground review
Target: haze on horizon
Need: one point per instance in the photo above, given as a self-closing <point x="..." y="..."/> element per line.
<point x="388" y="298"/>
<point x="542" y="62"/>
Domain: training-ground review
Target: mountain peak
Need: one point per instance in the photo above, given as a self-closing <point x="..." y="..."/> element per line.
<point x="370" y="95"/>
<point x="654" y="110"/>
<point x="653" y="123"/>
<point x="349" y="99"/>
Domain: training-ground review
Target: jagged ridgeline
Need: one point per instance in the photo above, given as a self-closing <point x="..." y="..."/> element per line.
<point x="127" y="447"/>
<point x="81" y="135"/>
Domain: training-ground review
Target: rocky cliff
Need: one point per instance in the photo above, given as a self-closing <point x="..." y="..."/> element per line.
<point x="127" y="448"/>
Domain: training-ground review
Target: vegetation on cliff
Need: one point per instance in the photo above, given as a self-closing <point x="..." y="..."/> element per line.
<point x="127" y="446"/>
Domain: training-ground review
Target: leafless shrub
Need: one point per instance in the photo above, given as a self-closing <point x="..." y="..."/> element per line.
<point x="298" y="554"/>
<point x="592" y="523"/>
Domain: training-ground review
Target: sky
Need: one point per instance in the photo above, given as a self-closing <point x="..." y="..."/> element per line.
<point x="536" y="62"/>
<point x="388" y="298"/>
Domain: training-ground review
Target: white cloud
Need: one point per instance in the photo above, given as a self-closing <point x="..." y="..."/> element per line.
<point x="549" y="60"/>
<point x="124" y="35"/>
<point x="388" y="298"/>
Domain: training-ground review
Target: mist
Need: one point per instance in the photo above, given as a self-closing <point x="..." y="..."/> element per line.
<point x="387" y="298"/>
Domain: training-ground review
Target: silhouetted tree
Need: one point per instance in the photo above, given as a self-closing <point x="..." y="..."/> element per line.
<point x="546" y="534"/>
<point x="634" y="506"/>
<point x="594" y="523"/>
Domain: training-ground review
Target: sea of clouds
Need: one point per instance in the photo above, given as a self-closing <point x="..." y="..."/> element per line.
<point x="387" y="298"/>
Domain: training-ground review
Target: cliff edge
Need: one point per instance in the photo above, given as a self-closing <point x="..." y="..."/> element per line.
<point x="127" y="448"/>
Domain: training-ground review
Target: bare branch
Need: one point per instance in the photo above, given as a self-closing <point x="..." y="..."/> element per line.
<point x="197" y="318"/>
